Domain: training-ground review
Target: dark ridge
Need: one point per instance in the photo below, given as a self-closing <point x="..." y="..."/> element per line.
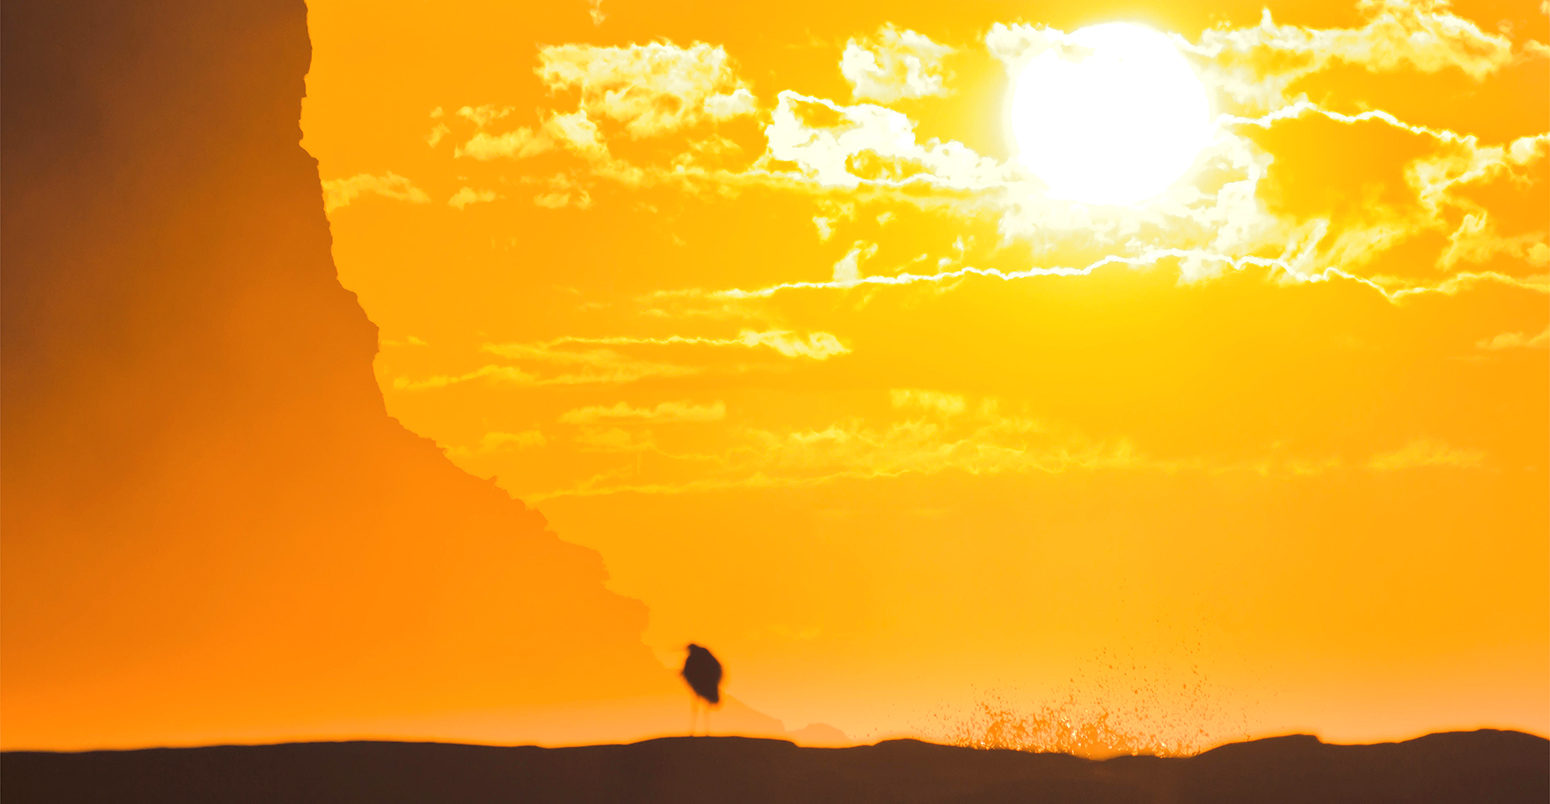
<point x="1480" y="766"/>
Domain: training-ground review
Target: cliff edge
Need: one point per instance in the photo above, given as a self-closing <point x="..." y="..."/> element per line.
<point x="212" y="530"/>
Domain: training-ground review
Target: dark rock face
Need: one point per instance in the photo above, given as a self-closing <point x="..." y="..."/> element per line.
<point x="1460" y="767"/>
<point x="211" y="528"/>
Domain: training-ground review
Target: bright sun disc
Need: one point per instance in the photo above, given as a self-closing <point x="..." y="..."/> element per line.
<point x="1113" y="117"/>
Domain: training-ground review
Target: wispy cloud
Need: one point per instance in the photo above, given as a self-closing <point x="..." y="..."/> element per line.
<point x="937" y="401"/>
<point x="1287" y="266"/>
<point x="573" y="132"/>
<point x="499" y="442"/>
<point x="540" y="365"/>
<point x="664" y="412"/>
<point x="1426" y="452"/>
<point x="814" y="345"/>
<point x="341" y="192"/>
<point x="975" y="437"/>
<point x="559" y="361"/>
<point x="468" y="195"/>
<point x="1515" y="340"/>
<point x="1258" y="64"/>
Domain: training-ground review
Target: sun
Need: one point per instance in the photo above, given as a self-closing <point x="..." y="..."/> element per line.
<point x="1114" y="115"/>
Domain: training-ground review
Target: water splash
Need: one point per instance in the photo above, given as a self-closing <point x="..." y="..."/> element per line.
<point x="1069" y="727"/>
<point x="1115" y="716"/>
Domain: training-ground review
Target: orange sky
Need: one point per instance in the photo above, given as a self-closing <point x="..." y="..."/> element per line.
<point x="758" y="306"/>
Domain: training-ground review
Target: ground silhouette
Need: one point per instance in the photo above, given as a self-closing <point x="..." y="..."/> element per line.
<point x="1481" y="766"/>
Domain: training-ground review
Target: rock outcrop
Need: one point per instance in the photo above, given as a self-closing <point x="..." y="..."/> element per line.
<point x="212" y="530"/>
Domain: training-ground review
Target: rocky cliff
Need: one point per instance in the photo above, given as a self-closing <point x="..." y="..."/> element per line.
<point x="212" y="531"/>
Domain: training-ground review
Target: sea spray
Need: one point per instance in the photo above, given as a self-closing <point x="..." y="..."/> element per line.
<point x="1108" y="713"/>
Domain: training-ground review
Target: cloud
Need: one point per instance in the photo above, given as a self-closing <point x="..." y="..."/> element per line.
<point x="1441" y="181"/>
<point x="976" y="437"/>
<point x="665" y="412"/>
<point x="595" y="11"/>
<point x="585" y="366"/>
<point x="548" y="363"/>
<point x="468" y="195"/>
<point x="1257" y="64"/>
<point x="573" y="132"/>
<point x="652" y="89"/>
<point x="1515" y="340"/>
<point x="497" y="442"/>
<point x="893" y="65"/>
<point x="848" y="146"/>
<point x="1291" y="266"/>
<point x="563" y="191"/>
<point x="341" y="192"/>
<point x="1016" y="43"/>
<point x="935" y="401"/>
<point x="485" y="114"/>
<point x="1477" y="241"/>
<point x="816" y="145"/>
<point x="1149" y="258"/>
<point x="1304" y="107"/>
<point x="848" y="269"/>
<point x="501" y="373"/>
<point x="1215" y="224"/>
<point x="1424" y="452"/>
<point x="814" y="345"/>
<point x="1396" y="290"/>
<point x="658" y="89"/>
<point x="1466" y="162"/>
<point x="614" y="439"/>
<point x="831" y="213"/>
<point x="558" y="361"/>
<point x="969" y="438"/>
<point x="518" y="144"/>
<point x="501" y="441"/>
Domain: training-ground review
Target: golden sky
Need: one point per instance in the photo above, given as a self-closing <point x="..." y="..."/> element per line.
<point x="768" y="307"/>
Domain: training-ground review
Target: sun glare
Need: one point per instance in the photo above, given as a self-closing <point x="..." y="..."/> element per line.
<point x="1113" y="116"/>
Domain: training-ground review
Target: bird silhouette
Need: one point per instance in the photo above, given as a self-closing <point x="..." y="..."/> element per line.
<point x="703" y="673"/>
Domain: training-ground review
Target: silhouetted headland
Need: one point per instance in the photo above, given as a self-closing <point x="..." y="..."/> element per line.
<point x="1479" y="766"/>
<point x="198" y="462"/>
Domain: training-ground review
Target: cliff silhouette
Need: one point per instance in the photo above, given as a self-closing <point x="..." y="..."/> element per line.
<point x="212" y="530"/>
<point x="1458" y="767"/>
